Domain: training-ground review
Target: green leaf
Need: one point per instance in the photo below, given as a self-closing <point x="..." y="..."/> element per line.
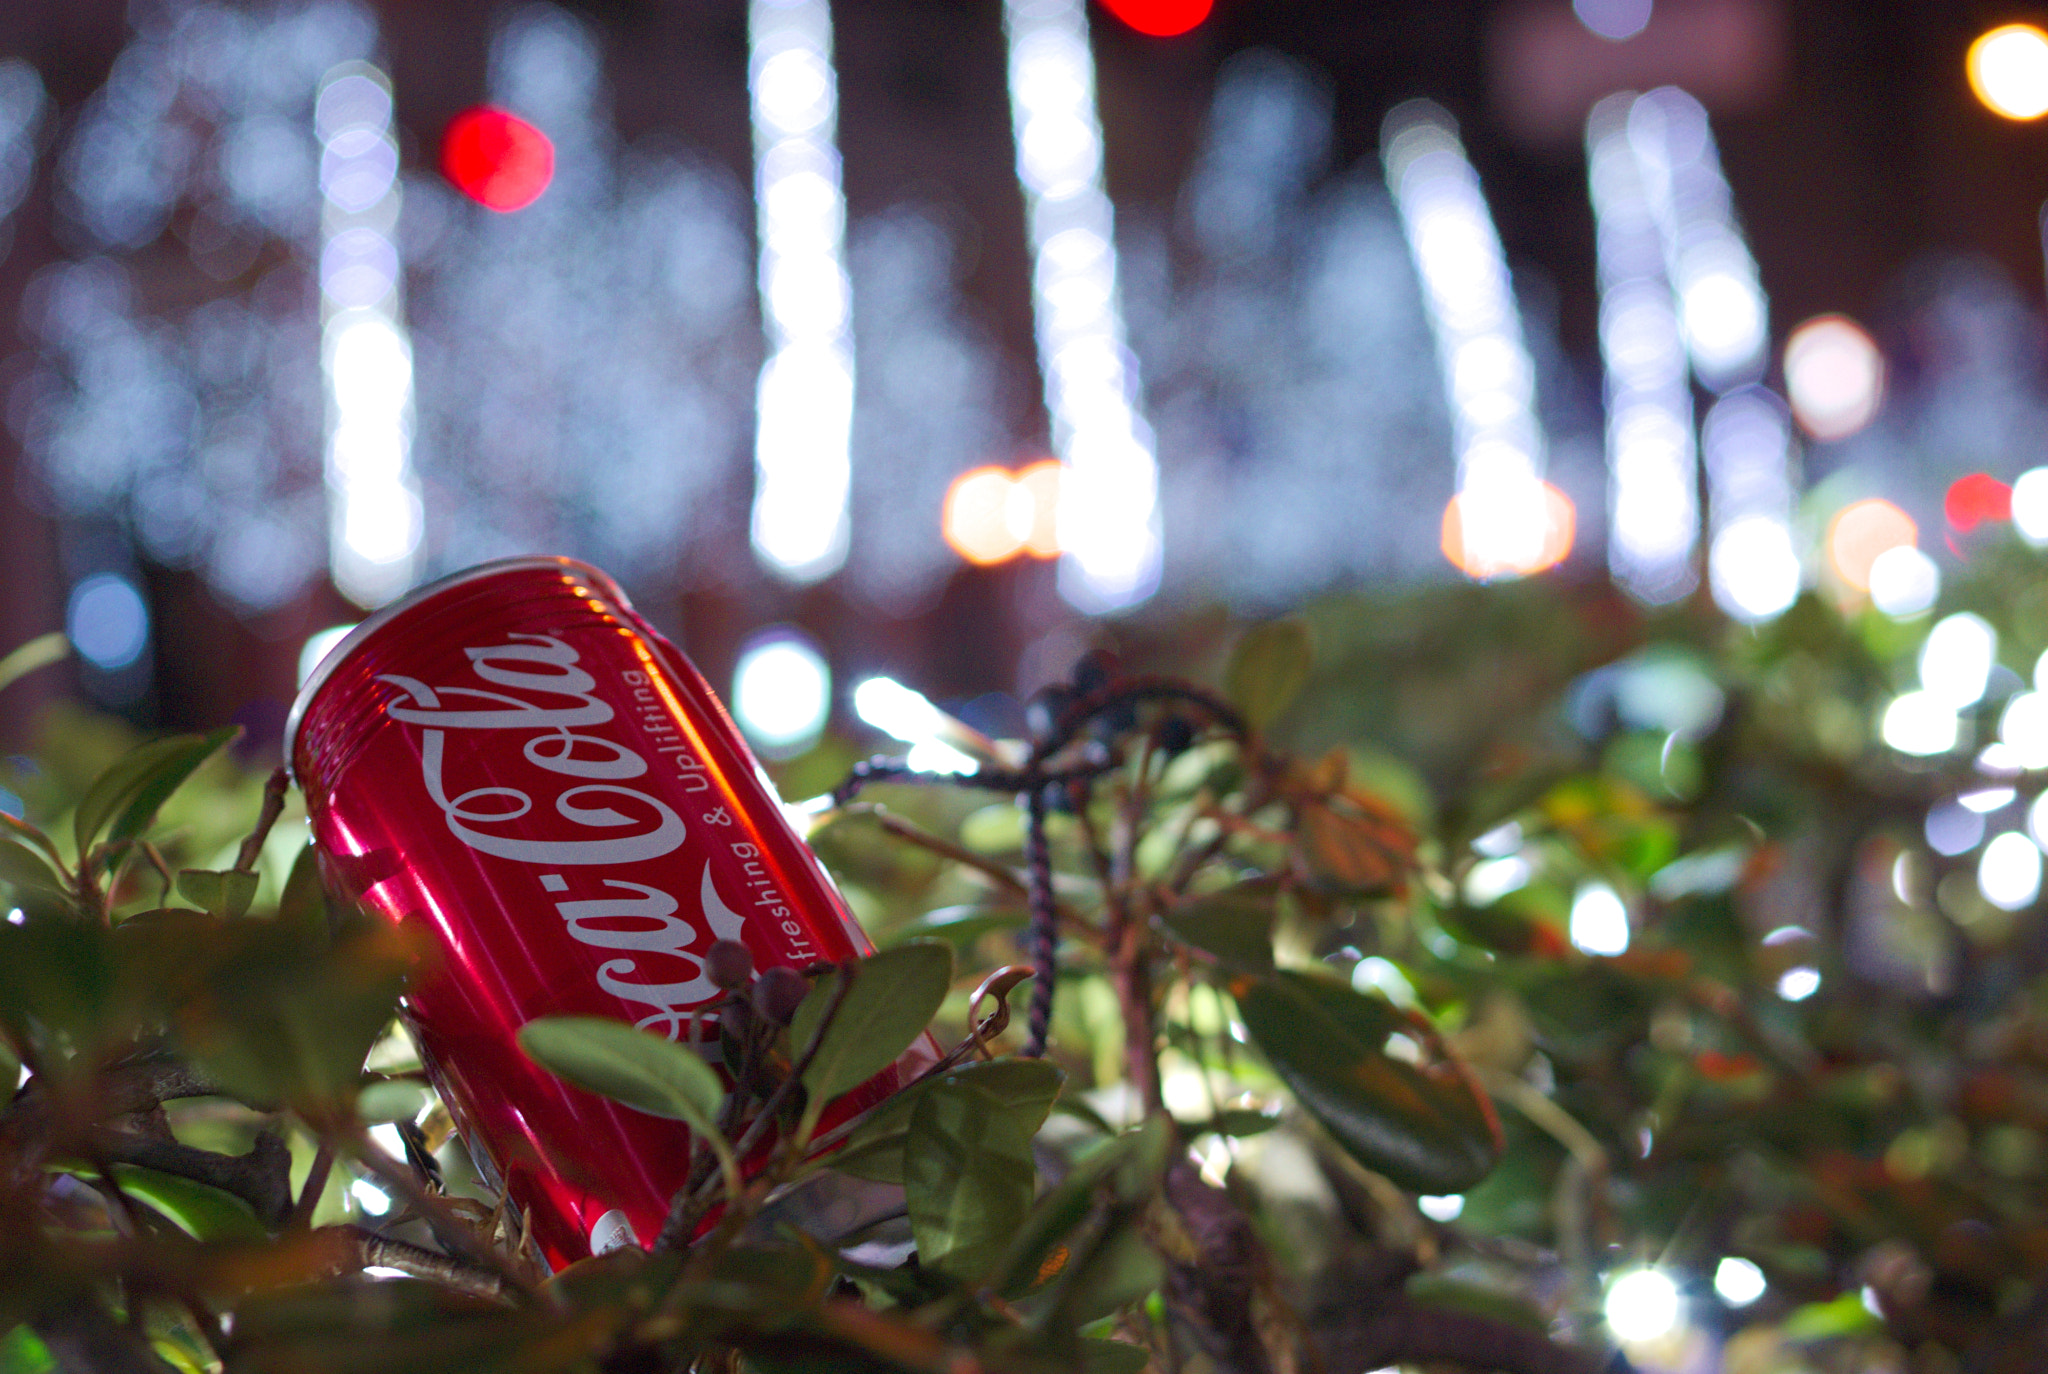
<point x="894" y="996"/>
<point x="226" y="893"/>
<point x="278" y="1023"/>
<point x="1271" y="664"/>
<point x="1099" y="1356"/>
<point x="1235" y="925"/>
<point x="636" y="1067"/>
<point x="1129" y="1165"/>
<point x="967" y="1172"/>
<point x="302" y="908"/>
<point x="22" y="868"/>
<point x="204" y="1212"/>
<point x="390" y="1099"/>
<point x="59" y="971"/>
<point x="1236" y="1122"/>
<point x="958" y="926"/>
<point x="1819" y="1321"/>
<point x="128" y="794"/>
<point x="1425" y="1132"/>
<point x="39" y="652"/>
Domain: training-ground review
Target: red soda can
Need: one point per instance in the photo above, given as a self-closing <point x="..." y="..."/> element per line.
<point x="512" y="761"/>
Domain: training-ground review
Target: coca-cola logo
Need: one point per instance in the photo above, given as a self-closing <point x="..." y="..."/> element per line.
<point x="577" y="812"/>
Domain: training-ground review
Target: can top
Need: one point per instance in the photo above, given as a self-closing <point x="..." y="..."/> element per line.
<point x="384" y="615"/>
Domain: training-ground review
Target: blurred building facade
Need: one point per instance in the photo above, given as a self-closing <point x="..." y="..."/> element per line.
<point x="581" y="375"/>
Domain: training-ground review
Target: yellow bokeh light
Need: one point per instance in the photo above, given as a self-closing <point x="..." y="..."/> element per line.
<point x="1560" y="527"/>
<point x="2008" y="69"/>
<point x="1863" y="530"/>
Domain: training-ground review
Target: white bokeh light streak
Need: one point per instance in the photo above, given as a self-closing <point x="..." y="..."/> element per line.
<point x="1653" y="504"/>
<point x="374" y="512"/>
<point x="803" y="468"/>
<point x="1488" y="374"/>
<point x="1109" y="499"/>
<point x="1657" y="170"/>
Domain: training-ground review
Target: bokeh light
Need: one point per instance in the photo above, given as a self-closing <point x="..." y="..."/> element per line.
<point x="1904" y="582"/>
<point x="1953" y="829"/>
<point x="1798" y="984"/>
<point x="1444" y="1207"/>
<point x="2030" y="505"/>
<point x="1613" y="20"/>
<point x="2008" y="69"/>
<point x="976" y="518"/>
<point x="1977" y="499"/>
<point x="1599" y="923"/>
<point x="2023" y="728"/>
<point x="2009" y="871"/>
<point x="1161" y="18"/>
<point x="108" y="621"/>
<point x="1753" y="568"/>
<point x="1471" y="557"/>
<point x="781" y="691"/>
<point x="909" y="715"/>
<point x="1834" y="376"/>
<point x="317" y="647"/>
<point x="1643" y="1305"/>
<point x="497" y="159"/>
<point x="1956" y="660"/>
<point x="992" y="514"/>
<point x="1921" y="724"/>
<point x="1863" y="530"/>
<point x="1738" y="1281"/>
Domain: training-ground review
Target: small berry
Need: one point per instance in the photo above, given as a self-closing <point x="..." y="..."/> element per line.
<point x="1175" y="734"/>
<point x="778" y="991"/>
<point x="730" y="964"/>
<point x="1042" y="713"/>
<point x="1095" y="670"/>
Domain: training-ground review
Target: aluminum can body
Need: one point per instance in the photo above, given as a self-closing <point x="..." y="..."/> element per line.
<point x="515" y="764"/>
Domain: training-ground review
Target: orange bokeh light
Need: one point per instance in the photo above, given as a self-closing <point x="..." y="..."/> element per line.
<point x="1560" y="527"/>
<point x="1042" y="481"/>
<point x="992" y="514"/>
<point x="1860" y="532"/>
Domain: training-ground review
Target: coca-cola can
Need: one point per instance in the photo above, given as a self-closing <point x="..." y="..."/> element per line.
<point x="517" y="765"/>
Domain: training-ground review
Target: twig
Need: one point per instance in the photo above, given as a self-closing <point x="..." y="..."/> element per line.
<point x="1044" y="931"/>
<point x="367" y="1249"/>
<point x="915" y="834"/>
<point x="163" y="871"/>
<point x="1395" y="1331"/>
<point x="687" y="1208"/>
<point x="446" y="1226"/>
<point x="261" y="1178"/>
<point x="273" y="806"/>
<point x="1129" y="691"/>
<point x="316" y="1184"/>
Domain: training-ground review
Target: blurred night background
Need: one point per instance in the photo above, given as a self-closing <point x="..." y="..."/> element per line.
<point x="799" y="319"/>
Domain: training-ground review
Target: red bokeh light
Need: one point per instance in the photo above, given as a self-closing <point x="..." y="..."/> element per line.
<point x="1977" y="499"/>
<point x="497" y="159"/>
<point x="1160" y="18"/>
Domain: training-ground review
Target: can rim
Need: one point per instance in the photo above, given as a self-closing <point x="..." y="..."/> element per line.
<point x="384" y="615"/>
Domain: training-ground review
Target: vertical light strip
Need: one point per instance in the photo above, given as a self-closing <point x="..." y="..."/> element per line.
<point x="1653" y="500"/>
<point x="1488" y="374"/>
<point x="374" y="513"/>
<point x="1109" y="500"/>
<point x="1746" y="439"/>
<point x="803" y="467"/>
<point x="1752" y="566"/>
